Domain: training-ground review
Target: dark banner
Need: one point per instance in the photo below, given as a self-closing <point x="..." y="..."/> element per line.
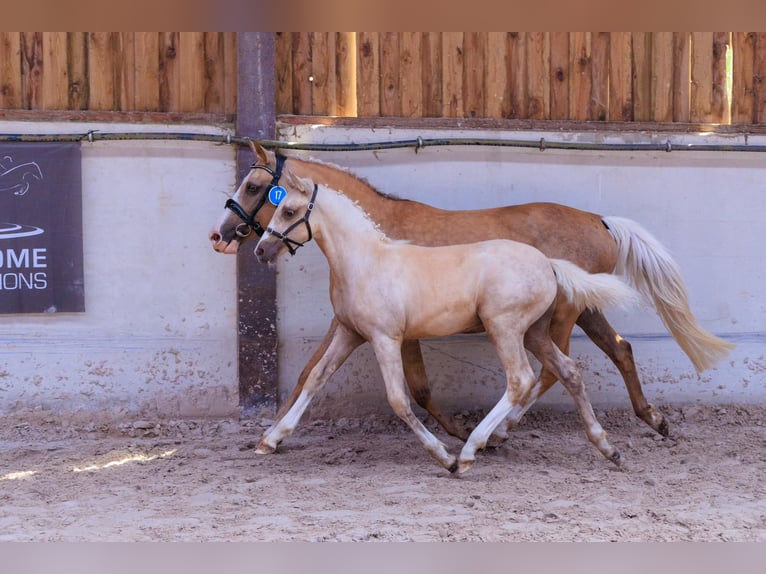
<point x="41" y="263"/>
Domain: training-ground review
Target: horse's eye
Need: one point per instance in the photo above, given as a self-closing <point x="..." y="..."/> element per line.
<point x="289" y="213"/>
<point x="251" y="188"/>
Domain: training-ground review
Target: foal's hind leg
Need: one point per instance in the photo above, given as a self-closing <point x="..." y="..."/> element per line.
<point x="520" y="378"/>
<point x="417" y="381"/>
<point x="557" y="323"/>
<point x="339" y="347"/>
<point x="619" y="351"/>
<point x="566" y="370"/>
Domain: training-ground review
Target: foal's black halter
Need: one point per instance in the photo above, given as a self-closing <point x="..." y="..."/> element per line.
<point x="305" y="220"/>
<point x="250" y="224"/>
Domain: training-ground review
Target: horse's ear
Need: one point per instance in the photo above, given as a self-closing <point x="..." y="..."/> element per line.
<point x="307" y="184"/>
<point x="303" y="185"/>
<point x="260" y="153"/>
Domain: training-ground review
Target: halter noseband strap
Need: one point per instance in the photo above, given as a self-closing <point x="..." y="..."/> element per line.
<point x="305" y="219"/>
<point x="250" y="224"/>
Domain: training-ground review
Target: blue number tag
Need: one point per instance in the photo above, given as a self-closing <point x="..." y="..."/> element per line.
<point x="277" y="194"/>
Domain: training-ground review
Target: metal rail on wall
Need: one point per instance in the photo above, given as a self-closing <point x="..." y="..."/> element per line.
<point x="418" y="143"/>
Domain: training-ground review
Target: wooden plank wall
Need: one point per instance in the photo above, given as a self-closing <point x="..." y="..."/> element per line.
<point x="697" y="77"/>
<point x="192" y="72"/>
<point x="578" y="76"/>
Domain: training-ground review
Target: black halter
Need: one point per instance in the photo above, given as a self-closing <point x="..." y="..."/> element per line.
<point x="305" y="219"/>
<point x="250" y="224"/>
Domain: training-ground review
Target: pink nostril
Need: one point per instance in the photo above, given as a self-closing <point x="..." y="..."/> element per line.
<point x="259" y="251"/>
<point x="215" y="237"/>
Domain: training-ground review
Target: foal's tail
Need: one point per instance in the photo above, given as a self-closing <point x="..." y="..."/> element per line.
<point x="648" y="267"/>
<point x="592" y="290"/>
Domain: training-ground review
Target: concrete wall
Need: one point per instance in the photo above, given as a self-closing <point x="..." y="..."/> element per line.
<point x="158" y="337"/>
<point x="707" y="208"/>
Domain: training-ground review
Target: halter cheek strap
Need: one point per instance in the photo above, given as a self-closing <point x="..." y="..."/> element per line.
<point x="250" y="224"/>
<point x="292" y="245"/>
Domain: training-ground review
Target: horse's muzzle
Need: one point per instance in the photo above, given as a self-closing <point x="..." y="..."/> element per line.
<point x="267" y="251"/>
<point x="229" y="247"/>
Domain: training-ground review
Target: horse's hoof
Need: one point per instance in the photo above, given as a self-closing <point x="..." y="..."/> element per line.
<point x="265" y="448"/>
<point x="464" y="466"/>
<point x="656" y="420"/>
<point x="616" y="458"/>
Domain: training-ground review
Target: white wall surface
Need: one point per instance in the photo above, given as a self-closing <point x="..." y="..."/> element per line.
<point x="707" y="208"/>
<point x="159" y="334"/>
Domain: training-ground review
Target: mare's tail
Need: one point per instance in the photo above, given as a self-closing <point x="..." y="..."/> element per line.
<point x="592" y="290"/>
<point x="648" y="267"/>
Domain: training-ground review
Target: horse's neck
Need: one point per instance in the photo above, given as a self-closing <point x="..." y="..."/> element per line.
<point x="346" y="236"/>
<point x="384" y="210"/>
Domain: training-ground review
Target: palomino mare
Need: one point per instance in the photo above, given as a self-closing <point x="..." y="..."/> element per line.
<point x="595" y="243"/>
<point x="386" y="292"/>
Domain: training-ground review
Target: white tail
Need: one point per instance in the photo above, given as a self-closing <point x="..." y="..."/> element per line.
<point x="592" y="290"/>
<point x="648" y="266"/>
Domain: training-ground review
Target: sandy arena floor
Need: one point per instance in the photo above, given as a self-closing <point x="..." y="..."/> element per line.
<point x="370" y="480"/>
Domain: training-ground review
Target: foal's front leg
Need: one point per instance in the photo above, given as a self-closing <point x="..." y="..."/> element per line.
<point x="389" y="355"/>
<point x="340" y="346"/>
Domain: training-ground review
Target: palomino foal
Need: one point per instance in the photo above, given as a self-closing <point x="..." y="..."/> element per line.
<point x="386" y="292"/>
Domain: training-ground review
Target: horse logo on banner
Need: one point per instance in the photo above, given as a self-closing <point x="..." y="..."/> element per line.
<point x="18" y="179"/>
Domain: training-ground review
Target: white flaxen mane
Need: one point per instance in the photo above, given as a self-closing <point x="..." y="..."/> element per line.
<point x="366" y="222"/>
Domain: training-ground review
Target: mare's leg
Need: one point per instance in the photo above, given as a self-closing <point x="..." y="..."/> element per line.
<point x="620" y="352"/>
<point x="318" y="354"/>
<point x="417" y="381"/>
<point x="339" y="347"/>
<point x="565" y="369"/>
<point x="389" y="354"/>
<point x="520" y="379"/>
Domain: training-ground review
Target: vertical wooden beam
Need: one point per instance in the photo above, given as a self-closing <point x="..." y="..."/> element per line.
<point x="124" y="48"/>
<point x="517" y="71"/>
<point x="301" y="73"/>
<point x="560" y="75"/>
<point x="662" y="77"/>
<point x="256" y="283"/>
<point x="323" y="85"/>
<point x="759" y="81"/>
<point x="452" y="74"/>
<point x="147" y="74"/>
<point x="31" y="70"/>
<point x="390" y="103"/>
<point x="230" y="76"/>
<point x="432" y="74"/>
<point x="642" y="80"/>
<point x="620" y="77"/>
<point x="191" y="62"/>
<point x="55" y="72"/>
<point x="581" y="77"/>
<point x="345" y="73"/>
<point x="681" y="76"/>
<point x="368" y="74"/>
<point x="721" y="105"/>
<point x="411" y="74"/>
<point x="538" y="75"/>
<point x="599" y="101"/>
<point x="215" y="67"/>
<point x="284" y="72"/>
<point x="474" y="56"/>
<point x="743" y="44"/>
<point x="101" y="70"/>
<point x="169" y="78"/>
<point x="702" y="77"/>
<point x="497" y="80"/>
<point x="10" y="70"/>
